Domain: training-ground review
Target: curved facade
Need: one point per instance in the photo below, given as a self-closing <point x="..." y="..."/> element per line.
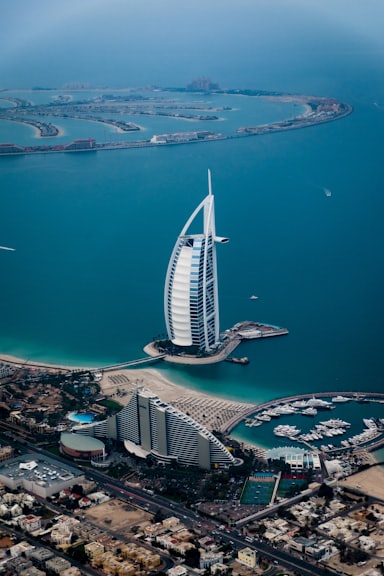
<point x="81" y="447"/>
<point x="191" y="304"/>
<point x="163" y="431"/>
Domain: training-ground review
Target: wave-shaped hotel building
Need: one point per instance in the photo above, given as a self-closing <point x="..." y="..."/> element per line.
<point x="149" y="426"/>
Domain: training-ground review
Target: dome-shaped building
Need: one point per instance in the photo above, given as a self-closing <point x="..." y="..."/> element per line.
<point x="82" y="447"/>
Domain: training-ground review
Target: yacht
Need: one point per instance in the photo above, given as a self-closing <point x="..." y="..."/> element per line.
<point x="310" y="411"/>
<point x="286" y="430"/>
<point x="254" y="423"/>
<point x="339" y="399"/>
<point x="272" y="412"/>
<point x="263" y="417"/>
<point x="319" y="403"/>
<point x="370" y="423"/>
<point x="285" y="409"/>
<point x="336" y="423"/>
<point x="299" y="404"/>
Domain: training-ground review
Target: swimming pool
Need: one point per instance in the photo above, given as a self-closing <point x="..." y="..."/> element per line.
<point x="81" y="417"/>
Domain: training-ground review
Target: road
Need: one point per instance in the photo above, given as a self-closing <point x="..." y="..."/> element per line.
<point x="153" y="502"/>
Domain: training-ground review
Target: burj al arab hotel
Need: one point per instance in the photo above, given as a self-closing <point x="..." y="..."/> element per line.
<point x="191" y="303"/>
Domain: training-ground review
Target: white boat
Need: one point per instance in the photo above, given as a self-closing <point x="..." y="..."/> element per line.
<point x="339" y="399"/>
<point x="370" y="423"/>
<point x="285" y="409"/>
<point x="253" y="297"/>
<point x="336" y="423"/>
<point x="254" y="423"/>
<point x="272" y="412"/>
<point x="299" y="404"/>
<point x="319" y="403"/>
<point x="286" y="430"/>
<point x="263" y="417"/>
<point x="310" y="411"/>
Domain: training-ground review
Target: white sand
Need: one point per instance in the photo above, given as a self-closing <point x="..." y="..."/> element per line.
<point x="213" y="412"/>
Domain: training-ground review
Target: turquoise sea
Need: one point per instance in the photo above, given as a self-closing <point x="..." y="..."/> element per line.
<point x="93" y="233"/>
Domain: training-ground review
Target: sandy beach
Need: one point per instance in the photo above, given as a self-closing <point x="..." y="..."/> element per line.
<point x="16" y="361"/>
<point x="212" y="411"/>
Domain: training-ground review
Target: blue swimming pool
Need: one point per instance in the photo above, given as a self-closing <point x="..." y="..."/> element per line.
<point x="81" y="417"/>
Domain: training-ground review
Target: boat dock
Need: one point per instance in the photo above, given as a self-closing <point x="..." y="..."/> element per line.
<point x="369" y="439"/>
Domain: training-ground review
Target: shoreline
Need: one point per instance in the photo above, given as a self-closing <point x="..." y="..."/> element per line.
<point x="208" y="409"/>
<point x="211" y="410"/>
<point x="26" y="363"/>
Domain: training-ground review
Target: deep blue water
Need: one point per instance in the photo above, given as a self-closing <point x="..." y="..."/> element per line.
<point x="94" y="232"/>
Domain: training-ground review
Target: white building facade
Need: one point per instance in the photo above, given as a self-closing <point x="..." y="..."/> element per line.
<point x="191" y="306"/>
<point x="161" y="430"/>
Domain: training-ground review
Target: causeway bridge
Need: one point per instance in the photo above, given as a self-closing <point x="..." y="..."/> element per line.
<point x="130" y="363"/>
<point x="21" y="364"/>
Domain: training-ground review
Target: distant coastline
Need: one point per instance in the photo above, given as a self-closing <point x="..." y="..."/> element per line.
<point x="317" y="110"/>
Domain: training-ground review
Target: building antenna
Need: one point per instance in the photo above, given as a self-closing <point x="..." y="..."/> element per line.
<point x="209" y="183"/>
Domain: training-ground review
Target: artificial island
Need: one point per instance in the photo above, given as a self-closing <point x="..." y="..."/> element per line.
<point x="115" y="109"/>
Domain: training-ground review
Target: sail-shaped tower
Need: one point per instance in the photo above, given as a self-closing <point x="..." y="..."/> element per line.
<point x="191" y="303"/>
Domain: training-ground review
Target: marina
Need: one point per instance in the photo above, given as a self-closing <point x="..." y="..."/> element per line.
<point x="324" y="435"/>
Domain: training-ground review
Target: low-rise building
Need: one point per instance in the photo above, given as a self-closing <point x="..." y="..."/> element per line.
<point x="94" y="550"/>
<point x="18" y="564"/>
<point x="42" y="476"/>
<point x="39" y="556"/>
<point x="5" y="369"/>
<point x="219" y="569"/>
<point x="247" y="556"/>
<point x="172" y="543"/>
<point x="321" y="550"/>
<point x="152" y="530"/>
<point x="57" y="565"/>
<point x="21" y="548"/>
<point x="171" y="523"/>
<point x="6" y="453"/>
<point x="72" y="571"/>
<point x="208" y="559"/>
<point x="33" y="571"/>
<point x="177" y="571"/>
<point x="366" y="543"/>
<point x="30" y="523"/>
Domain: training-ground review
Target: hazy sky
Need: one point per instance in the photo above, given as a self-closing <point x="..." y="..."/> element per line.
<point x="147" y="41"/>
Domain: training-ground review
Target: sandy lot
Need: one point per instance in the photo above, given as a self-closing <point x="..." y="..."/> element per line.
<point x="117" y="516"/>
<point x="369" y="482"/>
